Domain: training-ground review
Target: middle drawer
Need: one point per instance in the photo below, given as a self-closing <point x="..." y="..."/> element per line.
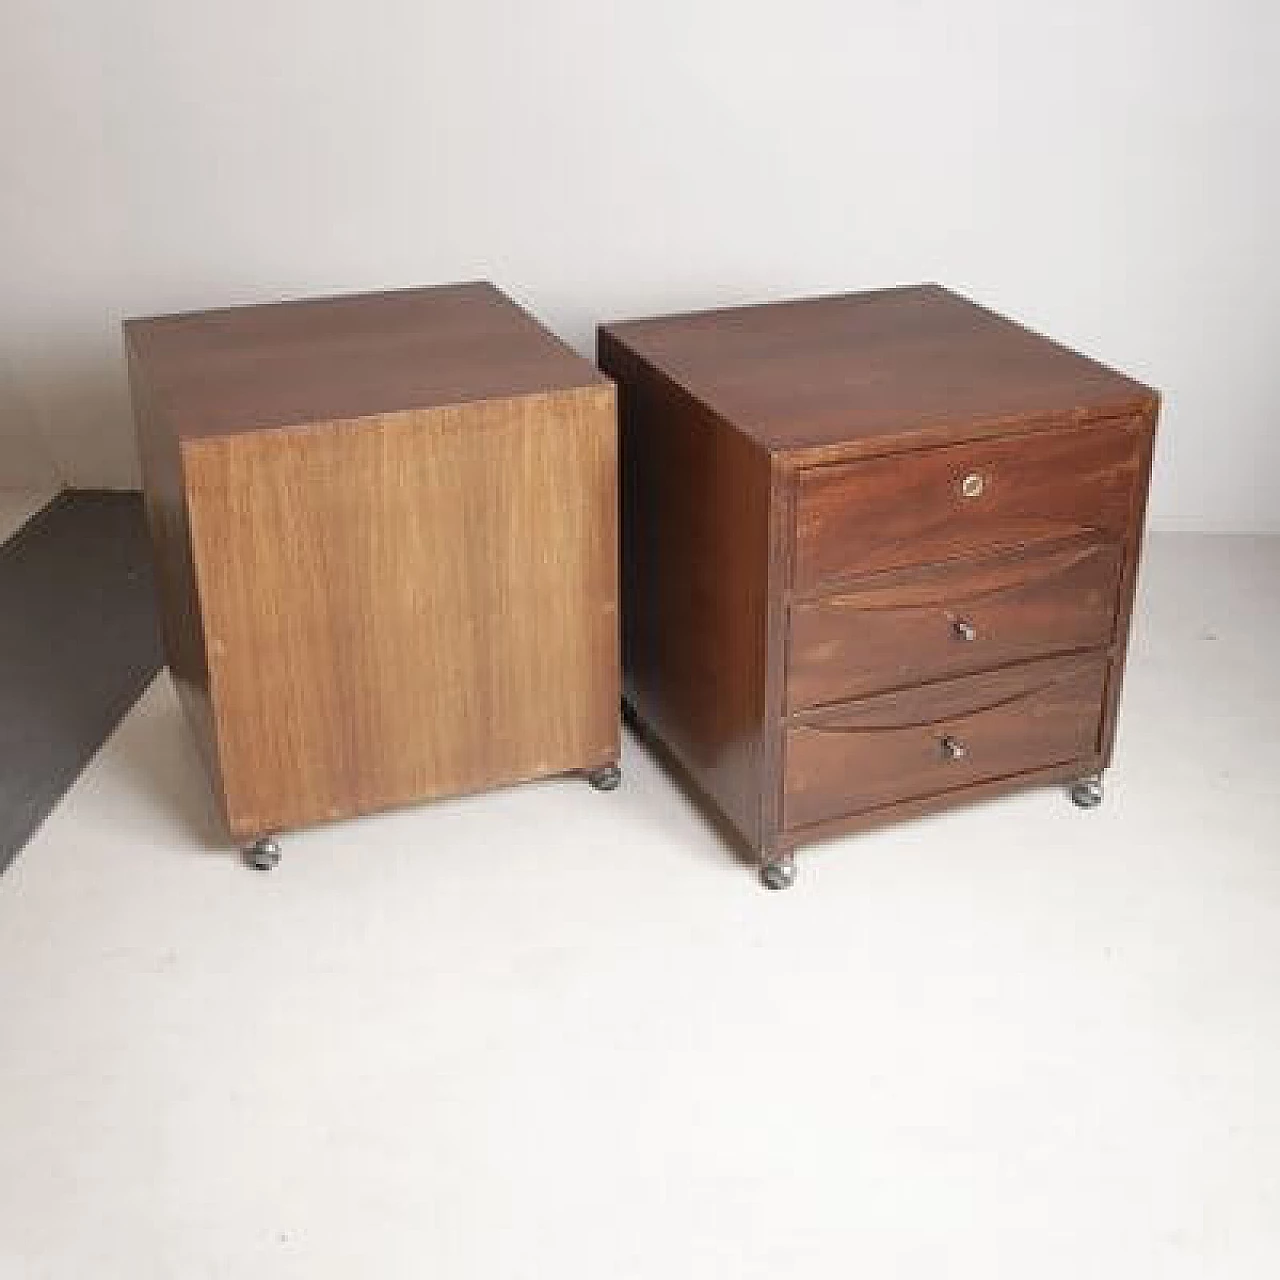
<point x="951" y="619"/>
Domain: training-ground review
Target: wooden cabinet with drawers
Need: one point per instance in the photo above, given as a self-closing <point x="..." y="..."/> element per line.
<point x="879" y="555"/>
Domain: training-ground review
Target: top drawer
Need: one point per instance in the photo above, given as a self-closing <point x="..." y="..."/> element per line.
<point x="941" y="504"/>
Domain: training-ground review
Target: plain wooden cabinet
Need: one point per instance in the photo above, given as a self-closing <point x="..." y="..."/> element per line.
<point x="385" y="528"/>
<point x="879" y="556"/>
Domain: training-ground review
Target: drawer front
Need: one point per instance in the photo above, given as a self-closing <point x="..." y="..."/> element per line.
<point x="964" y="500"/>
<point x="950" y="619"/>
<point x="921" y="742"/>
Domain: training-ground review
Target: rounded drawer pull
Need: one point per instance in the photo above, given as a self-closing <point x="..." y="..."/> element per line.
<point x="973" y="484"/>
<point x="964" y="629"/>
<point x="953" y="748"/>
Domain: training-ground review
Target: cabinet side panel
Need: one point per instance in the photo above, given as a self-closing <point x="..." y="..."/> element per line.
<point x="696" y="503"/>
<point x="411" y="606"/>
<point x="181" y="626"/>
<point x="1129" y="582"/>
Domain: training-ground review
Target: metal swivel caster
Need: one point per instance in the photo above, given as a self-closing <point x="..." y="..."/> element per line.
<point x="780" y="873"/>
<point x="263" y="855"/>
<point x="605" y="778"/>
<point x="1087" y="793"/>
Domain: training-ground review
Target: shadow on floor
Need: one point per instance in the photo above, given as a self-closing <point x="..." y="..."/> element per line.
<point x="78" y="645"/>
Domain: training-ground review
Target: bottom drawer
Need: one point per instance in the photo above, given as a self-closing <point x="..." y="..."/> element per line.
<point x="923" y="741"/>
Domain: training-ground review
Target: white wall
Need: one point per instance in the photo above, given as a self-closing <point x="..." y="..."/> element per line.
<point x="25" y="461"/>
<point x="1104" y="169"/>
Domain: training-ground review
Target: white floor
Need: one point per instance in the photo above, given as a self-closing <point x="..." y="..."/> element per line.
<point x="551" y="1033"/>
<point x="17" y="506"/>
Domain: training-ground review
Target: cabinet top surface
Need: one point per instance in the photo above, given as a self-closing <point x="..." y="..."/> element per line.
<point x="852" y="367"/>
<point x="291" y="363"/>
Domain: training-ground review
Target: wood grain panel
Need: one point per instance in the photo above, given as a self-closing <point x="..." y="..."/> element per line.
<point x="696" y="554"/>
<point x="408" y="606"/>
<point x="181" y="623"/>
<point x="887" y="370"/>
<point x="950" y="619"/>
<point x="1129" y="581"/>
<point x="893" y="747"/>
<point x="239" y="369"/>
<point x="891" y="512"/>
<point x="904" y="810"/>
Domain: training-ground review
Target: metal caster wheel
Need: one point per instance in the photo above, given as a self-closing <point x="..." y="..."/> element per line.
<point x="605" y="779"/>
<point x="263" y="855"/>
<point x="1087" y="793"/>
<point x="780" y="873"/>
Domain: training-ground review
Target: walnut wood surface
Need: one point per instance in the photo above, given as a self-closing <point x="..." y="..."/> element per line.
<point x="891" y="747"/>
<point x="181" y="626"/>
<point x="1129" y="582"/>
<point x="892" y="369"/>
<point x="918" y="806"/>
<point x="695" y="554"/>
<point x="796" y="534"/>
<point x="952" y="618"/>
<point x="422" y="609"/>
<point x="371" y="611"/>
<point x="326" y="359"/>
<point x="889" y="512"/>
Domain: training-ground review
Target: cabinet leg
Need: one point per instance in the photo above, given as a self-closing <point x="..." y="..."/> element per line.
<point x="605" y="778"/>
<point x="1087" y="793"/>
<point x="263" y="854"/>
<point x="779" y="872"/>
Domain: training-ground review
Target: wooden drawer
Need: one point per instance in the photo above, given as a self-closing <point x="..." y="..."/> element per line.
<point x="950" y="619"/>
<point x="969" y="499"/>
<point x="925" y="741"/>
